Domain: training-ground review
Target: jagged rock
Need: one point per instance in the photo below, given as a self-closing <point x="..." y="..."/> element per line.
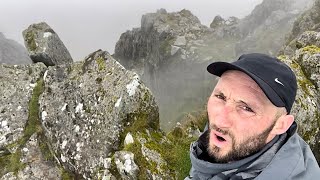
<point x="125" y="165"/>
<point x="85" y="108"/>
<point x="12" y="52"/>
<point x="308" y="21"/>
<point x="44" y="45"/>
<point x="265" y="28"/>
<point x="180" y="41"/>
<point x="217" y="22"/>
<point x="305" y="63"/>
<point x="16" y="86"/>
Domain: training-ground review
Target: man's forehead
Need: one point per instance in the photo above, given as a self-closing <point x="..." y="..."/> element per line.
<point x="237" y="77"/>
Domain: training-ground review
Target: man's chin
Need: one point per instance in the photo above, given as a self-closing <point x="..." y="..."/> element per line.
<point x="218" y="153"/>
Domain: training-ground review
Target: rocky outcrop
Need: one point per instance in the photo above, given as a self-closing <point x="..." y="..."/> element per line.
<point x="44" y="45"/>
<point x="70" y="121"/>
<point x="308" y="21"/>
<point x="305" y="63"/>
<point x="12" y="52"/>
<point x="164" y="52"/>
<point x="265" y="28"/>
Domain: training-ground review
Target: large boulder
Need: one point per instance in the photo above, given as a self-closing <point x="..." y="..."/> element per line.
<point x="12" y="52"/>
<point x="44" y="45"/>
<point x="87" y="106"/>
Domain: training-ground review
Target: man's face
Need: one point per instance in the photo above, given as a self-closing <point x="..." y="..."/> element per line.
<point x="241" y="118"/>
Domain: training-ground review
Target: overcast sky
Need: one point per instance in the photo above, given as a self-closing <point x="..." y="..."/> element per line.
<point x="87" y="25"/>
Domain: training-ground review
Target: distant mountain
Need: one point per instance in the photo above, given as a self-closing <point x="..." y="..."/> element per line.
<point x="12" y="52"/>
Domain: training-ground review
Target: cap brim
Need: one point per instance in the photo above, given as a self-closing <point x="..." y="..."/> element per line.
<point x="218" y="68"/>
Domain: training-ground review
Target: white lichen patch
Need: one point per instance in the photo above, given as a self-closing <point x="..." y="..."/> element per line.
<point x="79" y="145"/>
<point x="118" y="102"/>
<point x="47" y="34"/>
<point x="63" y="159"/>
<point x="19" y="108"/>
<point x="131" y="88"/>
<point x="25" y="149"/>
<point x="45" y="75"/>
<point x="77" y="128"/>
<point x="77" y="157"/>
<point x="64" y="107"/>
<point x="32" y="85"/>
<point x="43" y="115"/>
<point x="64" y="143"/>
<point x="4" y="124"/>
<point x="79" y="107"/>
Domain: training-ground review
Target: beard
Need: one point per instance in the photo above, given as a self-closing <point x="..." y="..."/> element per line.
<point x="239" y="150"/>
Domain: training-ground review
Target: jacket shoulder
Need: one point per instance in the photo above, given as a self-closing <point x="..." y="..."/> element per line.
<point x="294" y="160"/>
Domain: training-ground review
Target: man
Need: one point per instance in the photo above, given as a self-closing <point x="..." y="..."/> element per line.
<point x="250" y="133"/>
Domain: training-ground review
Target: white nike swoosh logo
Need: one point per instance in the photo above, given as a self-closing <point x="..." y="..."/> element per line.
<point x="277" y="81"/>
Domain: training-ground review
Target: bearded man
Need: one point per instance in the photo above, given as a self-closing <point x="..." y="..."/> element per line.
<point x="251" y="133"/>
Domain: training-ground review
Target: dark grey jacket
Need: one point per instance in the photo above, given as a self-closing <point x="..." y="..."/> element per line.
<point x="285" y="157"/>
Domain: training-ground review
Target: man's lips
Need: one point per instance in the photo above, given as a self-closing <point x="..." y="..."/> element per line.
<point x="218" y="139"/>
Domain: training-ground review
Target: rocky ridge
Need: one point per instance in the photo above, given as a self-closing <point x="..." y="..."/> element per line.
<point x="12" y="52"/>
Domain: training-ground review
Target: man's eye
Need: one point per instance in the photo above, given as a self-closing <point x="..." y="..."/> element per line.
<point x="219" y="96"/>
<point x="246" y="108"/>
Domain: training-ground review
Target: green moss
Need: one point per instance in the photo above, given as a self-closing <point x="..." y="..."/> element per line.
<point x="66" y="175"/>
<point x="45" y="148"/>
<point x="30" y="38"/>
<point x="11" y="162"/>
<point x="311" y="49"/>
<point x="143" y="164"/>
<point x="101" y="63"/>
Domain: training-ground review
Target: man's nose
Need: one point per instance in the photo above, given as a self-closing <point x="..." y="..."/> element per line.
<point x="223" y="118"/>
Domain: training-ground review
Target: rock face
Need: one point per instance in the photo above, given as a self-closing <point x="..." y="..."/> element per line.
<point x="12" y="52"/>
<point x="44" y="45"/>
<point x="305" y="63"/>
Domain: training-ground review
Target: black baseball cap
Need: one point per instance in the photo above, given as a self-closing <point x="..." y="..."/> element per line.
<point x="274" y="77"/>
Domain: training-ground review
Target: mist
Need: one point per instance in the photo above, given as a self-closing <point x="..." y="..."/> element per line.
<point x="85" y="26"/>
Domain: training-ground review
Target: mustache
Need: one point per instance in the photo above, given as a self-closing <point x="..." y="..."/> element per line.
<point x="214" y="127"/>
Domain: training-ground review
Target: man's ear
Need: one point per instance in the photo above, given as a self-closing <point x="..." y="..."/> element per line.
<point x="283" y="124"/>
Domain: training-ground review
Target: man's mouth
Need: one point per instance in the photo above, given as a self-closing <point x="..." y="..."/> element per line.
<point x="218" y="139"/>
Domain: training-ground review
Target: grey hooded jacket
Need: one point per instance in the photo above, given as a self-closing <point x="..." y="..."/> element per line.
<point x="286" y="157"/>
